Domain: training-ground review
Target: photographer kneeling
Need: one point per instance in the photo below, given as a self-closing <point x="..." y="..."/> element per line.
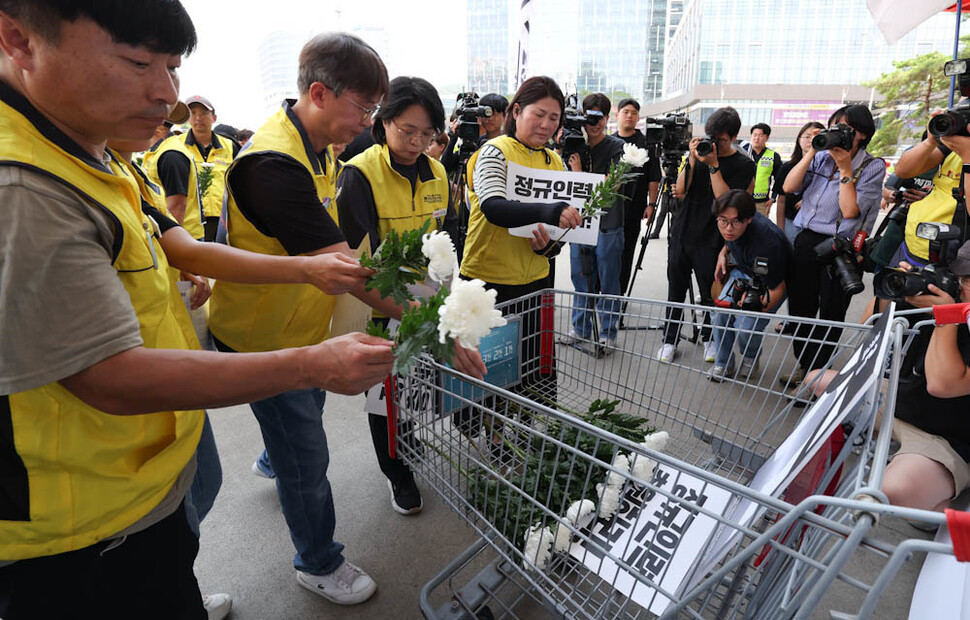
<point x="756" y="282"/>
<point x="932" y="399"/>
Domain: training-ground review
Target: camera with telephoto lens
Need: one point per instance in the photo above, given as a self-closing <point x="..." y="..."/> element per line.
<point x="954" y="121"/>
<point x="670" y="134"/>
<point x="705" y="147"/>
<point x="844" y="256"/>
<point x="573" y="139"/>
<point x="469" y="111"/>
<point x="839" y="136"/>
<point x="756" y="288"/>
<point x="896" y="284"/>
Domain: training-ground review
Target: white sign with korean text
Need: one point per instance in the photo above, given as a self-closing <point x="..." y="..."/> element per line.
<point x="534" y="185"/>
<point x="658" y="537"/>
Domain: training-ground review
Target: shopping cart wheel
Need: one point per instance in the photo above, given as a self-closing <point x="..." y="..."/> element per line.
<point x="485" y="614"/>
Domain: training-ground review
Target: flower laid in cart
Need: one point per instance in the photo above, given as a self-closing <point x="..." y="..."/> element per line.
<point x="643" y="466"/>
<point x="538" y="547"/>
<point x="462" y="314"/>
<point x="440" y="252"/>
<point x="468" y="313"/>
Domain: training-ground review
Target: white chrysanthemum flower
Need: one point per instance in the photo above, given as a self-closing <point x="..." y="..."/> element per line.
<point x="643" y="468"/>
<point x="580" y="512"/>
<point x="563" y="538"/>
<point x="468" y="313"/>
<point x="440" y="251"/>
<point x="622" y="463"/>
<point x="656" y="441"/>
<point x="538" y="547"/>
<point x="609" y="500"/>
<point x="634" y="155"/>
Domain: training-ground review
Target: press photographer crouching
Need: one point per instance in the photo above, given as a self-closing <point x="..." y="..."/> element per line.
<point x="756" y="281"/>
<point x="932" y="400"/>
<point x="596" y="269"/>
<point x="842" y="189"/>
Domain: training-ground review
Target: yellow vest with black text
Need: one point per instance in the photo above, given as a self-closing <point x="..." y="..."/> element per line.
<point x="268" y="317"/>
<point x="218" y="160"/>
<point x="938" y="206"/>
<point x="764" y="167"/>
<point x="88" y="474"/>
<point x="491" y="253"/>
<point x="194" y="217"/>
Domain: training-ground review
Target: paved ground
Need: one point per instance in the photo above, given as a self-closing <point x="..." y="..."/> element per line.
<point x="246" y="549"/>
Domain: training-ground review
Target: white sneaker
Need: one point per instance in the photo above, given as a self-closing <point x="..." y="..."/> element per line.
<point x="748" y="367"/>
<point x="258" y="471"/>
<point x="710" y="351"/>
<point x="718" y="374"/>
<point x="348" y="585"/>
<point x="608" y="345"/>
<point x="667" y="353"/>
<point x="569" y="338"/>
<point x="217" y="605"/>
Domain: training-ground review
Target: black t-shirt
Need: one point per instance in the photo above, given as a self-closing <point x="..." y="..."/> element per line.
<point x="762" y="239"/>
<point x="609" y="150"/>
<point x="649" y="173"/>
<point x="946" y="417"/>
<point x="694" y="223"/>
<point x="791" y="199"/>
<point x="173" y="173"/>
<point x="278" y="196"/>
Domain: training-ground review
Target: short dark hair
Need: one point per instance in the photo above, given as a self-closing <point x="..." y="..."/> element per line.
<point x="597" y="100"/>
<point x="723" y="120"/>
<point x="628" y="101"/>
<point x="857" y="117"/>
<point x="533" y="89"/>
<point x="162" y="26"/>
<point x="403" y="93"/>
<point x="495" y="101"/>
<point x="341" y="61"/>
<point x="737" y="198"/>
<point x="764" y="127"/>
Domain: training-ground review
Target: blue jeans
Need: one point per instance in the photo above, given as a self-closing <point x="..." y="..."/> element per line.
<point x="597" y="270"/>
<point x="748" y="329"/>
<point x="296" y="444"/>
<point x="207" y="481"/>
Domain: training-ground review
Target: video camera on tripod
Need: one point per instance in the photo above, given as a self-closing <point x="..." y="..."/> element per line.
<point x="670" y="135"/>
<point x="573" y="140"/>
<point x="468" y="111"/>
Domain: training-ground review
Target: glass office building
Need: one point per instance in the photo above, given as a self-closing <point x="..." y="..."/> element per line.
<point x="490" y="64"/>
<point x="782" y="62"/>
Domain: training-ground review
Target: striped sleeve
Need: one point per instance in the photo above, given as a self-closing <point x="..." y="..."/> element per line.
<point x="490" y="173"/>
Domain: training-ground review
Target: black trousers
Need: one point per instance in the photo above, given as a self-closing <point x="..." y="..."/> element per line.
<point x="148" y="575"/>
<point x="812" y="289"/>
<point x="211" y="227"/>
<point x="682" y="260"/>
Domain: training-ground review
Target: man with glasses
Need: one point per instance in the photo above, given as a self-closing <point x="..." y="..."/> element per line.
<point x="280" y="201"/>
<point x="694" y="237"/>
<point x="749" y="238"/>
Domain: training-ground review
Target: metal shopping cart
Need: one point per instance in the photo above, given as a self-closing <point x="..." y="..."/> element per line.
<point x="691" y="534"/>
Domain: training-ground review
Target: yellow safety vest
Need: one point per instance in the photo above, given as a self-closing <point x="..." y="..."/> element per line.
<point x="762" y="178"/>
<point x="268" y="317"/>
<point x="938" y="206"/>
<point x="491" y="253"/>
<point x="194" y="217"/>
<point x="398" y="207"/>
<point x="87" y="475"/>
<point x="219" y="158"/>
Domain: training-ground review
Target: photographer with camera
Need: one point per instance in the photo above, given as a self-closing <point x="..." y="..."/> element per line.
<point x="841" y="187"/>
<point x="489" y="126"/>
<point x="713" y="168"/>
<point x="596" y="269"/>
<point x="643" y="206"/>
<point x="755" y="282"/>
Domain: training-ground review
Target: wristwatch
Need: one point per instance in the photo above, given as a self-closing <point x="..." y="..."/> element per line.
<point x="652" y="204"/>
<point x="845" y="180"/>
<point x="714" y="169"/>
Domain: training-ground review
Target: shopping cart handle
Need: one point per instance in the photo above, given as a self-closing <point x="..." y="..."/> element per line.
<point x="958" y="522"/>
<point x="951" y="313"/>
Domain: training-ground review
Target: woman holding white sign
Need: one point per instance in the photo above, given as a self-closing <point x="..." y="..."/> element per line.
<point x="517" y="266"/>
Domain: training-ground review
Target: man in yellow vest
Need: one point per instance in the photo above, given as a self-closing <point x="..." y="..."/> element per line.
<point x="191" y="168"/>
<point x="280" y="200"/>
<point x="96" y="448"/>
<point x="768" y="164"/>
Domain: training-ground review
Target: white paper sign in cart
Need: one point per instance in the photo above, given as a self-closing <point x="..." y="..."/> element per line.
<point x="660" y="538"/>
<point x="534" y="185"/>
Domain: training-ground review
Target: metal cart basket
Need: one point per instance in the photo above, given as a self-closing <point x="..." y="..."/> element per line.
<point x="517" y="456"/>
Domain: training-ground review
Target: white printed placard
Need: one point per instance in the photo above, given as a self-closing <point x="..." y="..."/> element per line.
<point x="658" y="537"/>
<point x="534" y="185"/>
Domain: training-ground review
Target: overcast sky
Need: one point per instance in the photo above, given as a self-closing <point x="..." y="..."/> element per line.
<point x="424" y="38"/>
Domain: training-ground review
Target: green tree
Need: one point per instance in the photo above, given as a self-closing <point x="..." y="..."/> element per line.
<point x="908" y="94"/>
